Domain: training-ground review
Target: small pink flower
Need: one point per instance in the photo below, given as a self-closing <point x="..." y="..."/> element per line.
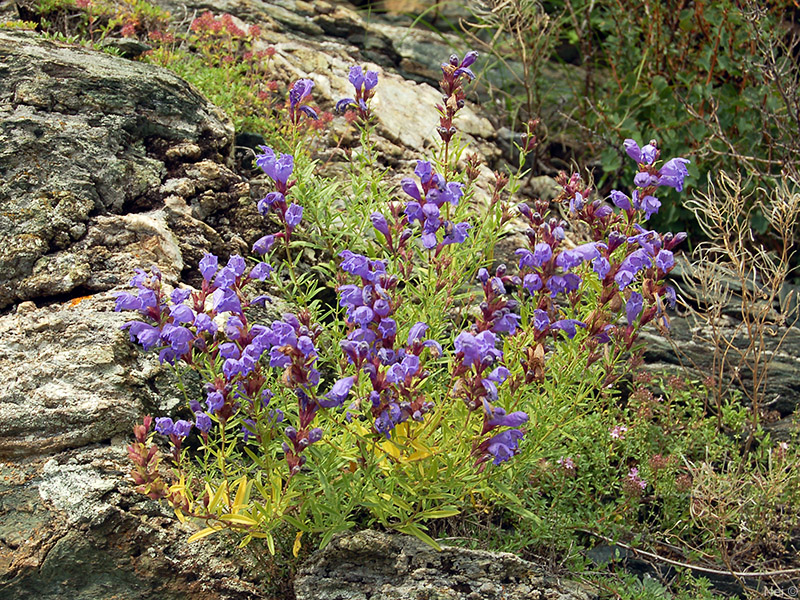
<point x="618" y="432"/>
<point x="633" y="476"/>
<point x="567" y="463"/>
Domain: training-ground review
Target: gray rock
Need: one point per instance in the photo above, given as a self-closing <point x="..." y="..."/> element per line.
<point x="71" y="377"/>
<point x="782" y="387"/>
<point x="85" y="138"/>
<point x="370" y="565"/>
<point x="71" y="526"/>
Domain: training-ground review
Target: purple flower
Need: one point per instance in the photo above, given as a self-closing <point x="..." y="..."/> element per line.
<point x="504" y="445"/>
<point x="356" y="76"/>
<point x="355" y="264"/>
<point x="179" y="296"/>
<point x="569" y="282"/>
<point x="225" y="278"/>
<point x="215" y="401"/>
<point x="370" y="80"/>
<point x="417" y="331"/>
<point x="601" y="266"/>
<point x="204" y="323"/>
<point x="633" y="476"/>
<point x="300" y="91"/>
<point x="237" y="264"/>
<point x="532" y="282"/>
<point x="424" y="171"/>
<point x="387" y="328"/>
<point x="478" y="350"/>
<point x="208" y="266"/>
<point x="229" y="350"/>
<point x="278" y="168"/>
<point x="182" y="314"/>
<point x="569" y="259"/>
<point x="127" y="301"/>
<point x="202" y="421"/>
<point x="179" y="338"/>
<point x="643" y="156"/>
<point x="225" y="300"/>
<point x="363" y="316"/>
<point x="624" y="278"/>
<point x="501" y="419"/>
<point x="540" y="320"/>
<point x="469" y="58"/>
<point x="673" y="173"/>
<point x="665" y="260"/>
<point x="164" y="425"/>
<point x="568" y="326"/>
<point x="338" y="393"/>
<point x="264" y="244"/>
<point x="261" y="271"/>
<point x="455" y="234"/>
<point x="182" y="428"/>
<point x="618" y="432"/>
<point x="410" y="187"/>
<point x="399" y="372"/>
<point x="343" y="104"/>
<point x="620" y="200"/>
<point x="542" y="253"/>
<point x="314" y="435"/>
<point x="147" y="335"/>
<point x="650" y="206"/>
<point x="633" y="307"/>
<point x="293" y="215"/>
<point x="506" y="322"/>
<point x="379" y="223"/>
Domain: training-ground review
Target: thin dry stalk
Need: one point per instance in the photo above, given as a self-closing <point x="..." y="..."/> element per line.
<point x="734" y="274"/>
<point x="521" y="32"/>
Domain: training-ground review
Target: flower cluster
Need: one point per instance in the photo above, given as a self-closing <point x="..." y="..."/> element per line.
<point x="395" y="374"/>
<point x="278" y="168"/>
<point x="389" y="379"/>
<point x="364" y="84"/>
<point x="630" y="261"/>
<point x="425" y="206"/>
<point x="479" y="370"/>
<point x="299" y="96"/>
<point x="455" y="72"/>
<point x="177" y="327"/>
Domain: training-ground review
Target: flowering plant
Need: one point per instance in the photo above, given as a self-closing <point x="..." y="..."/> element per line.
<point x="420" y="392"/>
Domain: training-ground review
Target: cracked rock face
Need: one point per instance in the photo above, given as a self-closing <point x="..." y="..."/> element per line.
<point x="370" y="565"/>
<point x="86" y="140"/>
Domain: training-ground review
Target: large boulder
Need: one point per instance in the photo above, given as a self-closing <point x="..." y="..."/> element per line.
<point x="89" y="145"/>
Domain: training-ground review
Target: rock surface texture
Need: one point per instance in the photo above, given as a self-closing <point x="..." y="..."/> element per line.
<point x="370" y="565"/>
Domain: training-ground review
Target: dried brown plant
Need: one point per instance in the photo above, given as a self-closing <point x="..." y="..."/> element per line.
<point x="735" y="286"/>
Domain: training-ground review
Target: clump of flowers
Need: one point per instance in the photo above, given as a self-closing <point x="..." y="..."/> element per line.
<point x="278" y="167"/>
<point x="633" y="485"/>
<point x="299" y="96"/>
<point x="364" y="84"/>
<point x="384" y="400"/>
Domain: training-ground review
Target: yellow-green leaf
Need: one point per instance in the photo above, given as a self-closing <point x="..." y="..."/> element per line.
<point x="203" y="533"/>
<point x="236" y="518"/>
<point x="297" y="544"/>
